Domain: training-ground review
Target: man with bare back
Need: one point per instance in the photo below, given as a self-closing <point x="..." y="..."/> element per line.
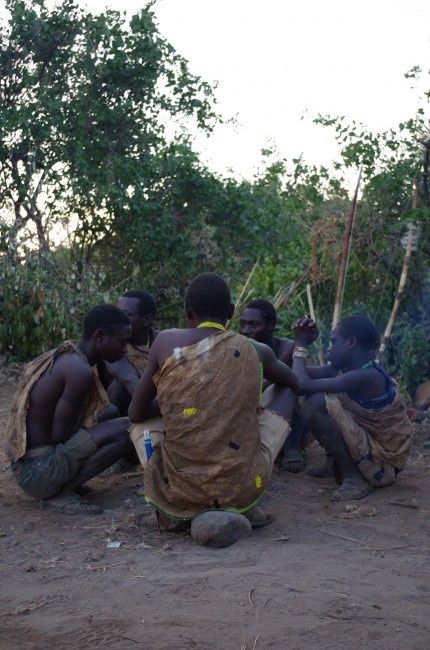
<point x="60" y="433"/>
<point x="214" y="447"/>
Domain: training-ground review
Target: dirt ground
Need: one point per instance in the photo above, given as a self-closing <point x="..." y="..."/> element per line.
<point x="322" y="575"/>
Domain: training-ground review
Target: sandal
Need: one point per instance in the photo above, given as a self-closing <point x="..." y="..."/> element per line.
<point x="293" y="460"/>
<point x="350" y="491"/>
<point x="71" y="507"/>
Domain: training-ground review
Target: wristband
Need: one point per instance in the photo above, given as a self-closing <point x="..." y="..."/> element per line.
<point x="300" y="355"/>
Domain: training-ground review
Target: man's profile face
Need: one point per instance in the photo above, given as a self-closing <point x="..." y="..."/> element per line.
<point x="131" y="308"/>
<point x="113" y="347"/>
<point x="338" y="352"/>
<point x="253" y="325"/>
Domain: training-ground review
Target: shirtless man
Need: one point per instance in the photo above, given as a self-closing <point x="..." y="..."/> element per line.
<point x="258" y="321"/>
<point x="56" y="438"/>
<point x="218" y="446"/>
<point x="353" y="407"/>
<point x="139" y="306"/>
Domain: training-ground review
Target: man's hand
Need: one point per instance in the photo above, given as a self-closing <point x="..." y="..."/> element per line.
<point x="305" y="331"/>
<point x="125" y="373"/>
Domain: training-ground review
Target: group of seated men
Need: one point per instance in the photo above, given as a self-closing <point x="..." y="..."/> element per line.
<point x="219" y="406"/>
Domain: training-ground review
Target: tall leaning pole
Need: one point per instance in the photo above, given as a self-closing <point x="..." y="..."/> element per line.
<point x="346" y="247"/>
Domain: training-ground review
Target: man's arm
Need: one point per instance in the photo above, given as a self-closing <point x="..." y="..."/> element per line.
<point x="287" y="351"/>
<point x="275" y="371"/>
<point x="142" y="404"/>
<point x="353" y="381"/>
<point x="323" y="379"/>
<point x="77" y="383"/>
<point x="125" y="373"/>
<point x="321" y="372"/>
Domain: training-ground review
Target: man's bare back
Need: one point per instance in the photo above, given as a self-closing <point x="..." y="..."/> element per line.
<point x="53" y="388"/>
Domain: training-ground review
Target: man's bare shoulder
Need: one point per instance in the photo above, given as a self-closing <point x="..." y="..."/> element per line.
<point x="71" y="363"/>
<point x="171" y="334"/>
<point x="285" y="343"/>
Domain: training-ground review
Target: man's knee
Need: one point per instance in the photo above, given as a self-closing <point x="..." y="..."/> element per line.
<point x="123" y="426"/>
<point x="111" y="412"/>
<point x="312" y="405"/>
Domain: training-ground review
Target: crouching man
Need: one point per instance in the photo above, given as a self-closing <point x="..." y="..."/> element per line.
<point x="58" y="435"/>
<point x="353" y="407"/>
<point x="215" y="447"/>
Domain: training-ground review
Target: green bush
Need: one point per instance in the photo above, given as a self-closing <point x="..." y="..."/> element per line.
<point x="44" y="301"/>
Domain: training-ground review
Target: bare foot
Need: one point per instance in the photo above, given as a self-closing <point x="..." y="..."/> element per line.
<point x="351" y="489"/>
<point x="68" y="502"/>
<point x="164" y="524"/>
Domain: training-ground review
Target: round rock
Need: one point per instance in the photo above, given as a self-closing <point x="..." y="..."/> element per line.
<point x="218" y="529"/>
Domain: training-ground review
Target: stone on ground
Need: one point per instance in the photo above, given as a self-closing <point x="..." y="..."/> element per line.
<point x="219" y="529"/>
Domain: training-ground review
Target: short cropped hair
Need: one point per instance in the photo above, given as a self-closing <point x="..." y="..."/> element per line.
<point x="266" y="309"/>
<point x="362" y="328"/>
<point x="147" y="304"/>
<point x="208" y="296"/>
<point x="104" y="317"/>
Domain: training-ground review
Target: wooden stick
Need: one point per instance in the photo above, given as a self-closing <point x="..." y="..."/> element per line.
<point x="245" y="286"/>
<point x="346" y="247"/>
<point x="402" y="284"/>
<point x="282" y="296"/>
<point x="403" y="277"/>
<point x="312" y="315"/>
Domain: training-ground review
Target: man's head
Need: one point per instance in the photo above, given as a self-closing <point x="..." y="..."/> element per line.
<point x="207" y="297"/>
<point x="258" y="320"/>
<point x="354" y="334"/>
<point x="140" y="308"/>
<point x="108" y="329"/>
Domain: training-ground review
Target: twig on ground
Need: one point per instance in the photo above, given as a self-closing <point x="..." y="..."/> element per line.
<point x="130" y="638"/>
<point x="287" y="587"/>
<point x="410" y="504"/>
<point x="251" y="591"/>
<point x="349" y="539"/>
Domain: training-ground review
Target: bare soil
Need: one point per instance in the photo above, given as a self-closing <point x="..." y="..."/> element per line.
<point x="322" y="575"/>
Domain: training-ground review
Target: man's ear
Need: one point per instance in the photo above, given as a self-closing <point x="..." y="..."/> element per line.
<point x="271" y="327"/>
<point x="352" y="342"/>
<point x="99" y="336"/>
<point x="148" y="320"/>
<point x="190" y="315"/>
<point x="231" y="312"/>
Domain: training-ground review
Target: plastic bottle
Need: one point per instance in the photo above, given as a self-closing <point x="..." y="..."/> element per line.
<point x="148" y="443"/>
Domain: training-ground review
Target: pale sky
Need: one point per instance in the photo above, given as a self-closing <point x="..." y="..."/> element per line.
<point x="274" y="60"/>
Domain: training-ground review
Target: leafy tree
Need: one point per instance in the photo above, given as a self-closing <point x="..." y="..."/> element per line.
<point x="84" y="104"/>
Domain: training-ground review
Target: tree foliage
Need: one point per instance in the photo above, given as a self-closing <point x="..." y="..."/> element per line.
<point x="101" y="191"/>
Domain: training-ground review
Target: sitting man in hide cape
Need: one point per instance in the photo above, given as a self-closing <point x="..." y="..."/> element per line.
<point x="353" y="407"/>
<point x="214" y="447"/>
<point x="140" y="307"/>
<point x="59" y="433"/>
<point x="258" y="321"/>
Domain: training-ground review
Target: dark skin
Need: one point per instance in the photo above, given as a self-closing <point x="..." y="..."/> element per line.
<point x="347" y="357"/>
<point x="56" y="399"/>
<point x="121" y="376"/>
<point x="276" y="372"/>
<point x="255" y="326"/>
<point x="142" y="325"/>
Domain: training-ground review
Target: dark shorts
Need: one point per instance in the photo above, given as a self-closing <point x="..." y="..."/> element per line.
<point x="44" y="475"/>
